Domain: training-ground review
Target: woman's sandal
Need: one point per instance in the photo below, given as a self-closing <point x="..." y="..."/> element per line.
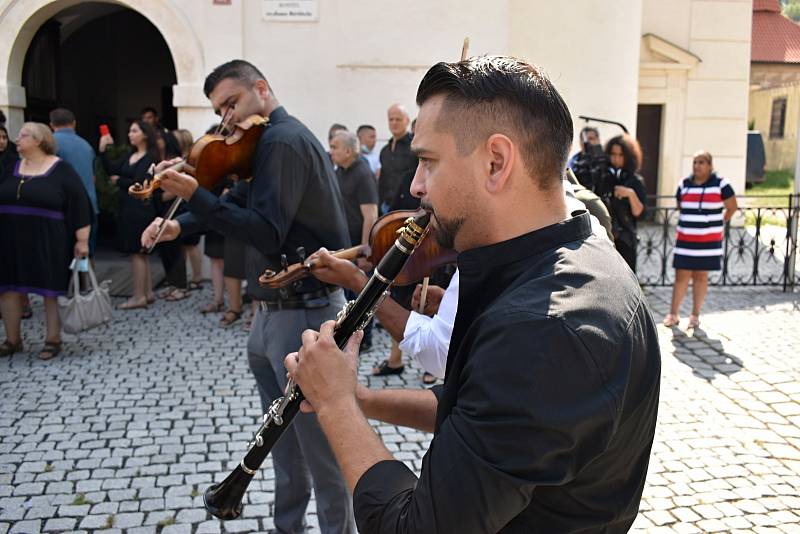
<point x="8" y="348"/>
<point x="194" y="286"/>
<point x="383" y="369"/>
<point x="50" y="350"/>
<point x="128" y="305"/>
<point x="428" y="379"/>
<point x="177" y="294"/>
<point x="214" y="307"/>
<point x="230" y="318"/>
<point x="671" y="320"/>
<point x="694" y="321"/>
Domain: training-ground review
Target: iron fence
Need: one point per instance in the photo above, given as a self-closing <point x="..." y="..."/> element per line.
<point x="760" y="246"/>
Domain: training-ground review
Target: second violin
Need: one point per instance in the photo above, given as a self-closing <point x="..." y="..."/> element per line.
<point x="429" y="257"/>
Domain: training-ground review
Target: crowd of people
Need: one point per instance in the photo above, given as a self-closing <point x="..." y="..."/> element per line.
<point x="547" y="413"/>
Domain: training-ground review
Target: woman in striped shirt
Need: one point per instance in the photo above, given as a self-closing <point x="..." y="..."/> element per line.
<point x="706" y="202"/>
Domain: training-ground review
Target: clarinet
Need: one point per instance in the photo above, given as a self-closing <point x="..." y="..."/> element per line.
<point x="224" y="500"/>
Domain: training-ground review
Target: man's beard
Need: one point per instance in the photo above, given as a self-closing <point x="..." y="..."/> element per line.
<point x="446" y="230"/>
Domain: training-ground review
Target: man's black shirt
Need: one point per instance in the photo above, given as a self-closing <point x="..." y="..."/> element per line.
<point x="547" y="414"/>
<point x="396" y="167"/>
<point x="293" y="201"/>
<point x="358" y="186"/>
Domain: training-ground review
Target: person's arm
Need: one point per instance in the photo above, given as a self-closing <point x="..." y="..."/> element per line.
<point x="81" y="249"/>
<point x="78" y="209"/>
<point x="728" y="200"/>
<point x="370" y="214"/>
<point x="343" y="273"/>
<point x="279" y="181"/>
<point x="636" y="195"/>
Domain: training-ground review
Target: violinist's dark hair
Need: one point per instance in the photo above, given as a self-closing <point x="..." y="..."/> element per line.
<point x="631" y="152"/>
<point x="499" y="94"/>
<point x="237" y="69"/>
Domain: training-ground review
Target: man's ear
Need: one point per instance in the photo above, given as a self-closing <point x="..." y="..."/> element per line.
<point x="262" y="88"/>
<point x="501" y="156"/>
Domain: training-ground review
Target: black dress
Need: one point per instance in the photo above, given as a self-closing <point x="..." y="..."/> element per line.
<point x="38" y="219"/>
<point x="134" y="215"/>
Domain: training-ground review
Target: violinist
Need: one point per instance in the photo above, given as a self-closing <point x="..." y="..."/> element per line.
<point x="547" y="414"/>
<point x="292" y="201"/>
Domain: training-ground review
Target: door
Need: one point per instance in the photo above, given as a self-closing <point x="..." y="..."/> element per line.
<point x="648" y="131"/>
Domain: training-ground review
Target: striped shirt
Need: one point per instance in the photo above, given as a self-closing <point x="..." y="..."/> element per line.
<point x="701" y="224"/>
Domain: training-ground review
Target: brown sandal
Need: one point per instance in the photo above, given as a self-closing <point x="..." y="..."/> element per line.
<point x="8" y="348"/>
<point x="214" y="307"/>
<point x="230" y="318"/>
<point x="50" y="350"/>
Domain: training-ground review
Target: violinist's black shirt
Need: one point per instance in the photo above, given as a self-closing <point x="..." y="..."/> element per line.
<point x="546" y="417"/>
<point x="293" y="201"/>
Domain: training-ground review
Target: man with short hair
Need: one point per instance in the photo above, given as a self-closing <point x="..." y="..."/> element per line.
<point x="292" y="202"/>
<point x="367" y="137"/>
<point x="360" y="196"/>
<point x="546" y="418"/>
<point x="398" y="164"/>
<point x="76" y="151"/>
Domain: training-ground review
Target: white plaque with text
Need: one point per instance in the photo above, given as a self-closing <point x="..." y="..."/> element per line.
<point x="291" y="10"/>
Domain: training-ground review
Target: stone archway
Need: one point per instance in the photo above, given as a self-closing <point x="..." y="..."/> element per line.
<point x="20" y="19"/>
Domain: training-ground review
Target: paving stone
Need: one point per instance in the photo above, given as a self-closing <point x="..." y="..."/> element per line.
<point x="59" y="524"/>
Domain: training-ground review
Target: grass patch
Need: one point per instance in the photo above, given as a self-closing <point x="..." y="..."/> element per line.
<point x="777" y="183"/>
<point x="49" y="467"/>
<point x="196" y="492"/>
<point x="166" y="522"/>
<point x="110" y="521"/>
<point x="81" y="499"/>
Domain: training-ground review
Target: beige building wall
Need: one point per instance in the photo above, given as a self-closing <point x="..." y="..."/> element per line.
<point x="362" y="55"/>
<point x="781" y="153"/>
<point x="702" y="81"/>
<point x="766" y="75"/>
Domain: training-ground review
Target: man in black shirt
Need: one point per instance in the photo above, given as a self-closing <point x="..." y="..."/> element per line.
<point x="547" y="415"/>
<point x="292" y="201"/>
<point x="357" y="185"/>
<point x="398" y="164"/>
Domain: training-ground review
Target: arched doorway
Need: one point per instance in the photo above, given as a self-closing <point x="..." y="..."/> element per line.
<point x="20" y="20"/>
<point x="104" y="62"/>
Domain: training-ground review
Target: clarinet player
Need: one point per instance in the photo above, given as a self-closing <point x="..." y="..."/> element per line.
<point x="293" y="201"/>
<point x="547" y="414"/>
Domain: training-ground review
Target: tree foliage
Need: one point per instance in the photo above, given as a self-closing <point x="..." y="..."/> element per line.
<point x="791" y="9"/>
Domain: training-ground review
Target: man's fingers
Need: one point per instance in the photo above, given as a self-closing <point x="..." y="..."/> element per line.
<point x="306" y="407"/>
<point x="354" y="343"/>
<point x="309" y="336"/>
<point x="327" y="328"/>
<point x="290" y="362"/>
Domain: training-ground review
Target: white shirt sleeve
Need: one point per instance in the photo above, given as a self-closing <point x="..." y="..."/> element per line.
<point x="428" y="338"/>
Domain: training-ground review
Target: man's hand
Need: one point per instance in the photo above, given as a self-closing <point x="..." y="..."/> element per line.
<point x="171" y="231"/>
<point x="332" y="270"/>
<point x="178" y="183"/>
<point x="104" y="142"/>
<point x="432" y="301"/>
<point x="620" y="191"/>
<point x="114" y="178"/>
<point x="327" y="375"/>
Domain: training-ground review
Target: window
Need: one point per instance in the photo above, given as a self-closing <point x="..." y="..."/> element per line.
<point x="778" y="118"/>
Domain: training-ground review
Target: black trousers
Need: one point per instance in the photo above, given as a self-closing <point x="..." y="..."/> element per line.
<point x="628" y="253"/>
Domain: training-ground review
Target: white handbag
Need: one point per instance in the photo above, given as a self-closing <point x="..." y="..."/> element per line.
<point x="82" y="312"/>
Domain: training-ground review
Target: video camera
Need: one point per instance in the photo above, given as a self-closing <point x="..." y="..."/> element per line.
<point x="592" y="166"/>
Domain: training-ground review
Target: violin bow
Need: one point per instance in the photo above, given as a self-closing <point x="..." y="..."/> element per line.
<point x="425" y="281"/>
<point x="223" y="124"/>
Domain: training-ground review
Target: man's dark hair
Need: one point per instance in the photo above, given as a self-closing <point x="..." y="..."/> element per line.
<point x="497" y="94"/>
<point x="631" y="152"/>
<point x="61" y="117"/>
<point x="365" y="127"/>
<point x="2" y="118"/>
<point x="238" y="69"/>
<point x="590" y="129"/>
<point x="149" y="109"/>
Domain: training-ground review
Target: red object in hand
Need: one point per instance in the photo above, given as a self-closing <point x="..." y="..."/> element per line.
<point x="104" y="130"/>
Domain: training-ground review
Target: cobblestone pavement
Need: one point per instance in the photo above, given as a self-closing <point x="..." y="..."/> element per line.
<point x="124" y="430"/>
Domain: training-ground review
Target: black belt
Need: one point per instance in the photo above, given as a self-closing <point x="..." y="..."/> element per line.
<point x="299" y="301"/>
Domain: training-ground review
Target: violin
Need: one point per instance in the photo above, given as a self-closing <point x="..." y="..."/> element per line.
<point x="213" y="157"/>
<point x="428" y="257"/>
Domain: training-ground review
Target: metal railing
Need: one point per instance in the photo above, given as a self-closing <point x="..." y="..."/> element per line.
<point x="760" y="246"/>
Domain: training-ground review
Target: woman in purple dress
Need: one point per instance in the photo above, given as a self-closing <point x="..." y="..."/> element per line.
<point x="44" y="223"/>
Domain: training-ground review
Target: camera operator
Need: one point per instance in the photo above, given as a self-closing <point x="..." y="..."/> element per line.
<point x="623" y="192"/>
<point x="590" y="137"/>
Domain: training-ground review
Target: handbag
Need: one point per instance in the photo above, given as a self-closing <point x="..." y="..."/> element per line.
<point x="82" y="312"/>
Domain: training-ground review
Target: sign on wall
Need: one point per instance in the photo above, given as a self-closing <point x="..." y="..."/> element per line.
<point x="291" y="10"/>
